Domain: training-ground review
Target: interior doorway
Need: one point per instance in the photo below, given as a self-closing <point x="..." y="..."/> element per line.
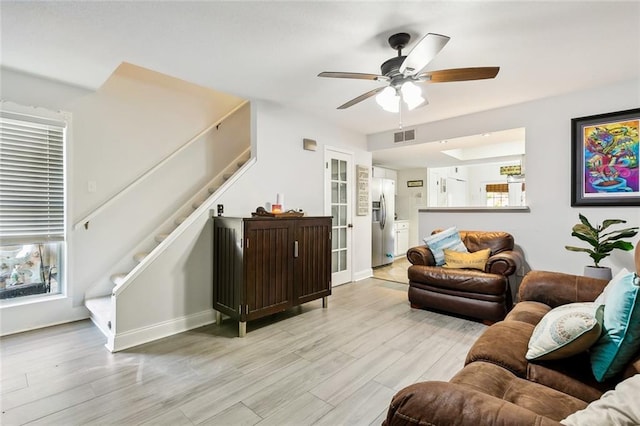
<point x="339" y="205"/>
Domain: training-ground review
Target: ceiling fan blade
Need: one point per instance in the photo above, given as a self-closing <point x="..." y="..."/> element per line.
<point x="362" y="97"/>
<point x="459" y="74"/>
<point x="423" y="53"/>
<point x="356" y="75"/>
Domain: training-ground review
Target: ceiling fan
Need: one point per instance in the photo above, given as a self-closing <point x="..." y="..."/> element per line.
<point x="403" y="72"/>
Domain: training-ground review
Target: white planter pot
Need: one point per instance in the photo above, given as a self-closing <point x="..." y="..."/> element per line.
<point x="602" y="272"/>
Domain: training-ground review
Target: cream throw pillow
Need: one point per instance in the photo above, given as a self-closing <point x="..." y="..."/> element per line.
<point x="476" y="260"/>
<point x="615" y="407"/>
<point x="565" y="331"/>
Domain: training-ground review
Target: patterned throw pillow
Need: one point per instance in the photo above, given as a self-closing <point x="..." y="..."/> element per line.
<point x="476" y="260"/>
<point x="447" y="239"/>
<point x="620" y="338"/>
<point x="565" y="331"/>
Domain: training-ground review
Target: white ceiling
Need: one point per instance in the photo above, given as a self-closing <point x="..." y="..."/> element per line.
<point x="273" y="51"/>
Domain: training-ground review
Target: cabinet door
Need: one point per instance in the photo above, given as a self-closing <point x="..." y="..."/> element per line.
<point x="228" y="266"/>
<point x="268" y="267"/>
<point x="312" y="259"/>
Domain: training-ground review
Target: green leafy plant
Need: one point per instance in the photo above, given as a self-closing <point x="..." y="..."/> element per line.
<point x="602" y="243"/>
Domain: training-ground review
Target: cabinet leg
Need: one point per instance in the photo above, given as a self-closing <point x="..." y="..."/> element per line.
<point x="242" y="329"/>
<point x="325" y="302"/>
<point x="218" y="318"/>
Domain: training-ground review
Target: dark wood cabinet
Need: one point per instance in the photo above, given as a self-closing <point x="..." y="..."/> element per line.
<point x="266" y="265"/>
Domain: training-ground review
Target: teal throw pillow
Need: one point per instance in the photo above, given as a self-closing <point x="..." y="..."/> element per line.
<point x="448" y="239"/>
<point x="620" y="338"/>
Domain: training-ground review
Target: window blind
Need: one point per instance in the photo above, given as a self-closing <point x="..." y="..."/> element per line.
<point x="497" y="187"/>
<point x="31" y="179"/>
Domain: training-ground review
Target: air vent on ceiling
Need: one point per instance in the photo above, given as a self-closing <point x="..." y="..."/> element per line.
<point x="407" y="135"/>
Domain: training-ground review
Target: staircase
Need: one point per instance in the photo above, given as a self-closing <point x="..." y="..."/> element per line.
<point x="102" y="308"/>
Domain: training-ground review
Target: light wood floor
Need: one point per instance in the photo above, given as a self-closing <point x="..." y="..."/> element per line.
<point x="332" y="366"/>
<point x="396" y="271"/>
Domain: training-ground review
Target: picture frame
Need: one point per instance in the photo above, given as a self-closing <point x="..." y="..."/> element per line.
<point x="415" y="183"/>
<point x="604" y="159"/>
<point x="362" y="182"/>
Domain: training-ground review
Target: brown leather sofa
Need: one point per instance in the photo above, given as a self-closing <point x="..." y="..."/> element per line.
<point x="497" y="385"/>
<point x="484" y="295"/>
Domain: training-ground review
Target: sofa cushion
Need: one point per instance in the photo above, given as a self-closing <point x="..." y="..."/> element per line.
<point x="569" y="375"/>
<point x="497" y="241"/>
<point x="529" y="312"/>
<point x="615" y="407"/>
<point x="465" y="281"/>
<point x="565" y="331"/>
<point x="447" y="239"/>
<point x="621" y="336"/>
<point x="440" y="403"/>
<point x="505" y="344"/>
<point x="460" y="260"/>
<point x="496" y="381"/>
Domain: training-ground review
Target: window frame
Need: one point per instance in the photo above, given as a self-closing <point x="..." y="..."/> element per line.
<point x="62" y="118"/>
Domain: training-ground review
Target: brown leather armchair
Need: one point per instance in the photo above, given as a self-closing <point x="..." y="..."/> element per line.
<point x="485" y="295"/>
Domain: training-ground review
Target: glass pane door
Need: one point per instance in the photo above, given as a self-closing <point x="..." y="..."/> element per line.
<point x="339" y="180"/>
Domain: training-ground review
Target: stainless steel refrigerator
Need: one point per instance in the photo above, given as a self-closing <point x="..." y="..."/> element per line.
<point x="383" y="209"/>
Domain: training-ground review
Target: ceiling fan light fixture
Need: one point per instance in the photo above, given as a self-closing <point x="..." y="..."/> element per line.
<point x="388" y="99"/>
<point x="412" y="95"/>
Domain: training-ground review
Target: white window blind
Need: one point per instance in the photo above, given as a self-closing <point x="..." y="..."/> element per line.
<point x="31" y="179"/>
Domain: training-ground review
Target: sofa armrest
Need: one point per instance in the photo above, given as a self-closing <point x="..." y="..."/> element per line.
<point x="504" y="263"/>
<point x="441" y="403"/>
<point x="421" y="255"/>
<point x="556" y="288"/>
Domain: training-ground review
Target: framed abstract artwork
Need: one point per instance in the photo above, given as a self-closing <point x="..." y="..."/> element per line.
<point x="604" y="159"/>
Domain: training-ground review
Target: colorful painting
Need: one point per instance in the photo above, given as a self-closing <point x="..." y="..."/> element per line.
<point x="605" y="163"/>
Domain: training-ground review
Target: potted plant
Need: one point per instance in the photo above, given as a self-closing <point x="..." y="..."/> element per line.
<point x="602" y="243"/>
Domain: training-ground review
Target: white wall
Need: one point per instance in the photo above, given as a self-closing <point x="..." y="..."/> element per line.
<point x="542" y="233"/>
<point x="410" y="199"/>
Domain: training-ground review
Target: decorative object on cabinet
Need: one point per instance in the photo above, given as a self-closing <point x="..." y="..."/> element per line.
<point x="264" y="265"/>
<point x="604" y="159"/>
<point x="415" y="183"/>
<point x="262" y="212"/>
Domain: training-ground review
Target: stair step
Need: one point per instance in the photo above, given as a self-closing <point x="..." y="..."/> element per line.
<point x="117" y="279"/>
<point x="100" y="308"/>
<point x="213" y="189"/>
<point x="179" y="220"/>
<point x="197" y="204"/>
<point x="161" y="237"/>
<point x="227" y="176"/>
<point x="139" y="257"/>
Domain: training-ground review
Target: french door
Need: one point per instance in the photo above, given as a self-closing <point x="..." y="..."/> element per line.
<point x="338" y="204"/>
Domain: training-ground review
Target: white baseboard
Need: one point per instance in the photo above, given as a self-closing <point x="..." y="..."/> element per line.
<point x="367" y="273"/>
<point x="153" y="332"/>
